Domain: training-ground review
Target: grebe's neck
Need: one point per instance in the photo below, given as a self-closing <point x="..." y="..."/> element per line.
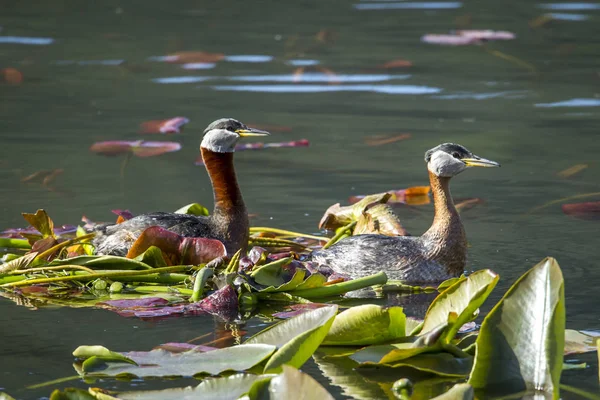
<point x="230" y="216"/>
<point x="446" y="221"/>
<point x="227" y="195"/>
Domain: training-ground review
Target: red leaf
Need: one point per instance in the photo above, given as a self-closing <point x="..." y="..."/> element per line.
<point x="588" y="210"/>
<point x="164" y="126"/>
<point x="184" y="57"/>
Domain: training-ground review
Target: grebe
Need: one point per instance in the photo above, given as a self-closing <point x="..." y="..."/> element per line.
<point x="229" y="220"/>
<point x="439" y="254"/>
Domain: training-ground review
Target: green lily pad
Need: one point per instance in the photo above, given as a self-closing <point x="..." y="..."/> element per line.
<point x="292" y="384"/>
<point x="271" y="274"/>
<point x="460" y="391"/>
<point x="228" y="388"/>
<point x="296" y="280"/>
<point x="462" y="299"/>
<point x="313" y="281"/>
<point x="152" y="257"/>
<point x="367" y="324"/>
<point x="521" y="341"/>
<point x="193" y="209"/>
<point x="442" y="364"/>
<point x="102" y="352"/>
<point x="296" y="338"/>
<point x="70" y="394"/>
<point x="159" y="362"/>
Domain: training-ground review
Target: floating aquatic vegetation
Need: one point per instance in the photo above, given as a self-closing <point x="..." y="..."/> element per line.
<point x="380" y="140"/>
<point x="505" y="362"/>
<point x="587" y="210"/>
<point x="572" y="171"/>
<point x="138" y="148"/>
<point x="186" y="57"/>
<point x="370" y="214"/>
<point x="165" y="126"/>
<point x="11" y="76"/>
<point x="394" y="64"/>
<point x="416" y="195"/>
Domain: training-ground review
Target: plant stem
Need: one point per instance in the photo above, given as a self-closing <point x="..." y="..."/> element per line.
<point x="162" y="289"/>
<point x="201" y="278"/>
<point x="11" y="243"/>
<point x="113" y="275"/>
<point x="55" y="268"/>
<point x="339" y="235"/>
<point x="379" y="278"/>
<point x="277" y="231"/>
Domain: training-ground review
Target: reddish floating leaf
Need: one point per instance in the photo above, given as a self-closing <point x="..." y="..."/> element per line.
<point x="134" y="303"/>
<point x="11" y="76"/>
<point x="183" y="250"/>
<point x="396" y="64"/>
<point x="114" y="147"/>
<point x="416" y="195"/>
<point x="588" y="210"/>
<point x="124" y="215"/>
<point x="139" y="148"/>
<point x="222" y="302"/>
<point x="467" y="204"/>
<point x="185" y="57"/>
<point x="571" y="171"/>
<point x="150" y="149"/>
<point x="164" y="126"/>
<point x="381" y="140"/>
<point x="175" y="347"/>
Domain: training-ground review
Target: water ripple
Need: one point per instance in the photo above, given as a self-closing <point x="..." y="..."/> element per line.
<point x="568" y="17"/>
<point x="36" y="41"/>
<point x="409" y="5"/>
<point x="249" y="58"/>
<point x="572" y="103"/>
<point x="388" y="89"/>
<point x="198" y="65"/>
<point x="318" y="77"/>
<point x="510" y="94"/>
<point x="302" y="63"/>
<point x="570" y="6"/>
<point x="182" y="79"/>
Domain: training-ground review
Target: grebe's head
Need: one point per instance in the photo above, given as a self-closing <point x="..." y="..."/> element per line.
<point x="222" y="135"/>
<point x="450" y="159"/>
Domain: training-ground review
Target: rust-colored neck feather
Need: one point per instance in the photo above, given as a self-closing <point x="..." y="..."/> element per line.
<point x="222" y="175"/>
<point x="447" y="229"/>
<point x="230" y="217"/>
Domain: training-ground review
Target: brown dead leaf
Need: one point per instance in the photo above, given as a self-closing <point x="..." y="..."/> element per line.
<point x="571" y="171"/>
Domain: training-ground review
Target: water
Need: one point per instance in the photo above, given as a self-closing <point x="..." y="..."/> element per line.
<point x="75" y="93"/>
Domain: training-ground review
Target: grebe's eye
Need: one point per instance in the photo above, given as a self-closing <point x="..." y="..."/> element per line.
<point x="456" y="155"/>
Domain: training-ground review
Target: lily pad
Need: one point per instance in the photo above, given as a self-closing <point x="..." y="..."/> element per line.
<point x="193" y="209"/>
<point x="460" y="391"/>
<point x="521" y="341"/>
<point x="296" y="280"/>
<point x="292" y="384"/>
<point x="158" y="363"/>
<point x="443" y="364"/>
<point x="229" y="388"/>
<point x="296" y="338"/>
<point x="367" y="324"/>
<point x="463" y="299"/>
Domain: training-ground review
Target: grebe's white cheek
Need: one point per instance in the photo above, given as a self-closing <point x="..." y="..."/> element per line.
<point x="443" y="164"/>
<point x="220" y="141"/>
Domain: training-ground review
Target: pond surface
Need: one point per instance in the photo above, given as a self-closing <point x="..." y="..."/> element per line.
<point x="92" y="71"/>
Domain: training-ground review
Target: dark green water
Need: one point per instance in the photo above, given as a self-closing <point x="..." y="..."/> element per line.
<point x="68" y="100"/>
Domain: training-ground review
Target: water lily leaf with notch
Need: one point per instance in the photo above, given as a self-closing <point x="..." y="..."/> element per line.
<point x="103" y="262"/>
<point x="152" y="257"/>
<point x="157" y="363"/>
<point x="41" y="222"/>
<point x="365" y="325"/>
<point x="296" y="338"/>
<point x="462" y="298"/>
<point x="226" y="388"/>
<point x="72" y="394"/>
<point x="296" y="280"/>
<point x="193" y="209"/>
<point x="521" y="341"/>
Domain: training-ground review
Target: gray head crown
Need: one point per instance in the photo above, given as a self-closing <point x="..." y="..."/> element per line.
<point x="222" y="135"/>
<point x="450" y="159"/>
